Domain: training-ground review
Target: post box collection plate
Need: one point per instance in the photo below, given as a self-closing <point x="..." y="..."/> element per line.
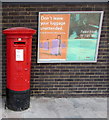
<point x="19" y="55"/>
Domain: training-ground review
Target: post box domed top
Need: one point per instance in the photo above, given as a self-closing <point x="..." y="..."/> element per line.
<point x="19" y="30"/>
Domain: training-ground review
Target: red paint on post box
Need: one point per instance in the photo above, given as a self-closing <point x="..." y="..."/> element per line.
<point x="18" y="53"/>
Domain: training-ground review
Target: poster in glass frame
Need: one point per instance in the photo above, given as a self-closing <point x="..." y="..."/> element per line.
<point x="65" y="37"/>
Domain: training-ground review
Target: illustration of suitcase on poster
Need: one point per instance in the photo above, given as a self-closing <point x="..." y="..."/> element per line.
<point x="46" y="46"/>
<point x="55" y="49"/>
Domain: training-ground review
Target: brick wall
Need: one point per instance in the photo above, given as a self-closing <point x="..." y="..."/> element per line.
<point x="60" y="79"/>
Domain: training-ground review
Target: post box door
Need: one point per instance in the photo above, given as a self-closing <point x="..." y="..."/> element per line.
<point x="21" y="69"/>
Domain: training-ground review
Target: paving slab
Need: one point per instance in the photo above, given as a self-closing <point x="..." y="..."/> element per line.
<point x="61" y="108"/>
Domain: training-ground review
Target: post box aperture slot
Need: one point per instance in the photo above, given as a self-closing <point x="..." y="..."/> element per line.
<point x="19" y="43"/>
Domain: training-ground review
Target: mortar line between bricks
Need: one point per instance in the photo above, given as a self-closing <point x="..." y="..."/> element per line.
<point x="59" y="83"/>
<point x="79" y="81"/>
<point x="74" y="75"/>
<point x="72" y="87"/>
<point x="74" y="93"/>
<point x="79" y="73"/>
<point x="73" y="90"/>
<point x="69" y="78"/>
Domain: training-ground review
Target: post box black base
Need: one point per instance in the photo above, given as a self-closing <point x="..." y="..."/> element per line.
<point x="17" y="100"/>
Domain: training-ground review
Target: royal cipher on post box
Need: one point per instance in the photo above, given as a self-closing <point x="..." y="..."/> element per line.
<point x="18" y="67"/>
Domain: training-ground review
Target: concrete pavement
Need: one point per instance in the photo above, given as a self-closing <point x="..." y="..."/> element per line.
<point x="61" y="108"/>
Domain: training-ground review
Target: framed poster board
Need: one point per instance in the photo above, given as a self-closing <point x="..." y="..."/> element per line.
<point x="69" y="36"/>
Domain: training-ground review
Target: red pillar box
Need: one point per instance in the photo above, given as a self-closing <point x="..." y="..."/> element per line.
<point x="18" y="53"/>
